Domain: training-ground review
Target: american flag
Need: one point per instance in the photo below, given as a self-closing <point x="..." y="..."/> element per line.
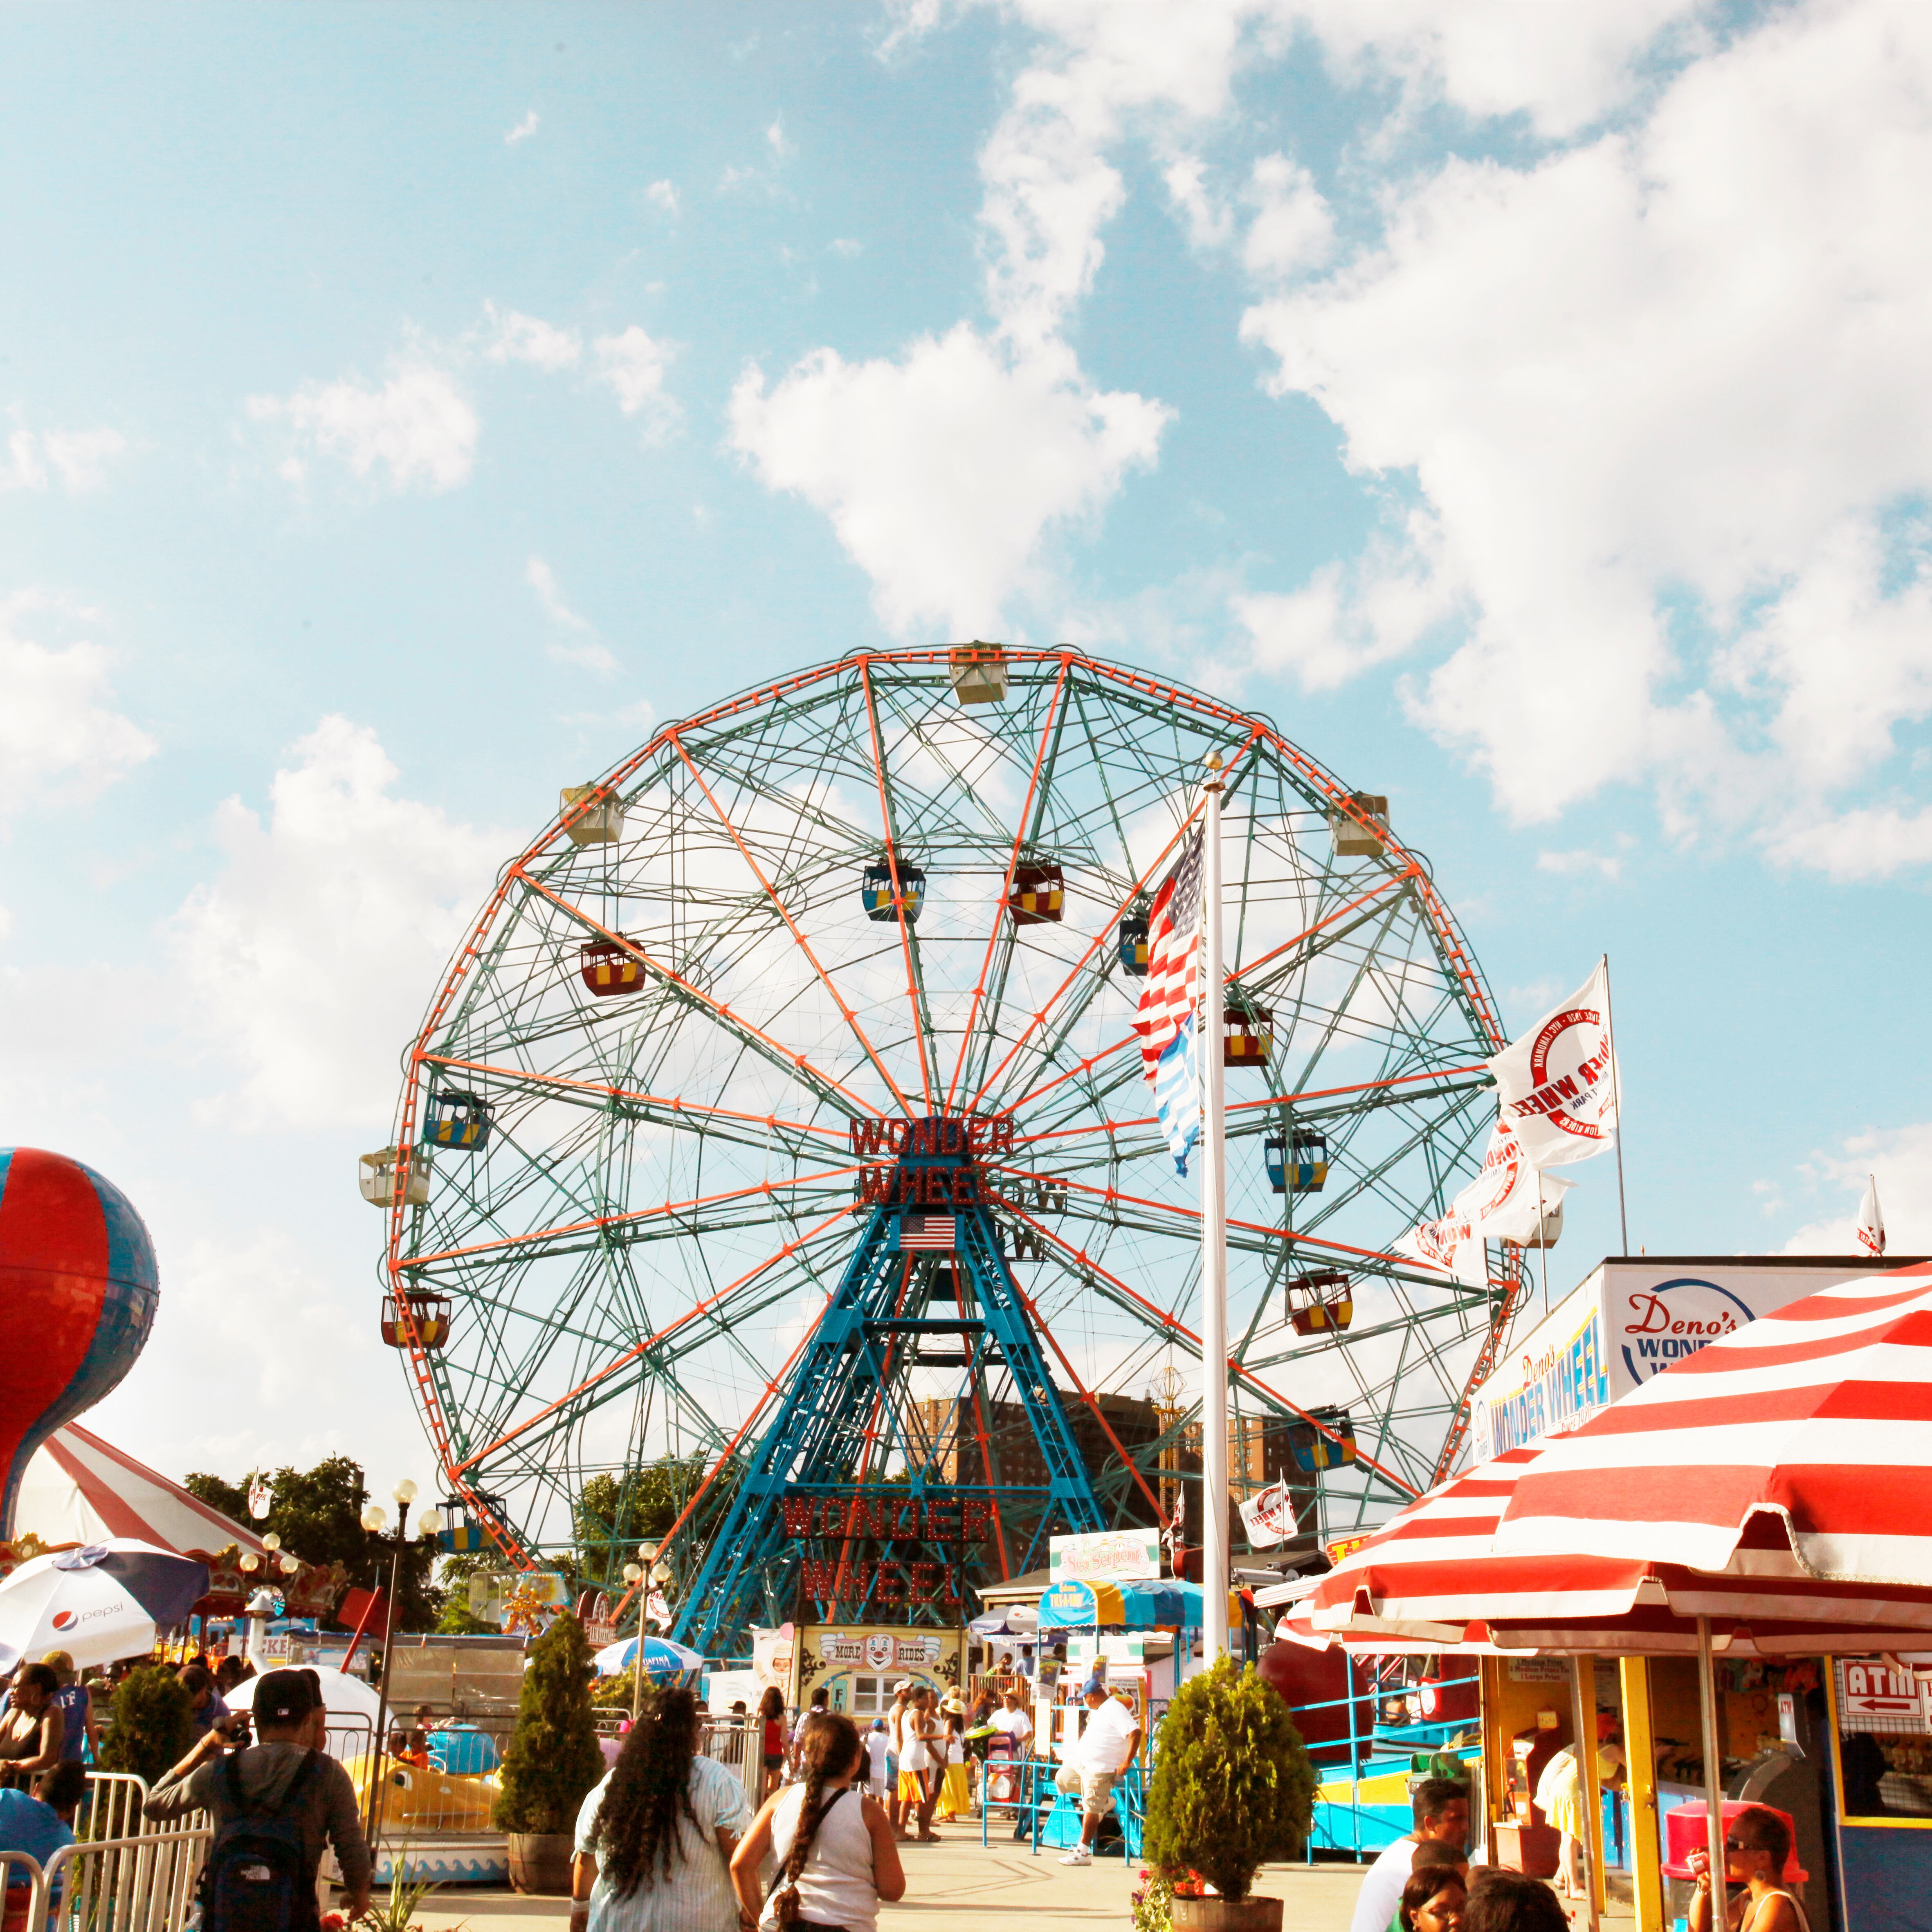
<point x="1166" y="1021"/>
<point x="939" y="1232"/>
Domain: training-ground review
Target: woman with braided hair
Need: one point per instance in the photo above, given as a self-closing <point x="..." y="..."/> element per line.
<point x="838" y="1855"/>
<point x="655" y="1840"/>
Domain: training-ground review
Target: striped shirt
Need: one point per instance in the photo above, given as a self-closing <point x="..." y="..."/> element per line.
<point x="697" y="1896"/>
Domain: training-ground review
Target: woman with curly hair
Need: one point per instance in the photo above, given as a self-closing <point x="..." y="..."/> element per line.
<point x="838" y="1855"/>
<point x="655" y="1839"/>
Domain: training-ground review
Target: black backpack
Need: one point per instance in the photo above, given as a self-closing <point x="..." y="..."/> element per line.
<point x="257" y="1879"/>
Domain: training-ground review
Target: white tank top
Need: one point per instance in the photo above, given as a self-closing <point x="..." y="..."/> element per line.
<point x="835" y="1887"/>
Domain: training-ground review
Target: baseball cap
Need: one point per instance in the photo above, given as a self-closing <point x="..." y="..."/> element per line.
<point x="60" y="1660"/>
<point x="904" y="1684"/>
<point x="1093" y="1687"/>
<point x="878" y="1723"/>
<point x="284" y="1697"/>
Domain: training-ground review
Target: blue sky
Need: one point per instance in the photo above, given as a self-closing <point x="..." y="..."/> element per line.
<point x="401" y="408"/>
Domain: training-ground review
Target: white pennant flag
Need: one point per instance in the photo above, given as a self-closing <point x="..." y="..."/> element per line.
<point x="1871" y="1222"/>
<point x="1557" y="1085"/>
<point x="1507" y="1201"/>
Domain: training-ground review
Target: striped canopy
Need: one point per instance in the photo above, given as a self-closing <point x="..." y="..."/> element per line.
<point x="1561" y="1548"/>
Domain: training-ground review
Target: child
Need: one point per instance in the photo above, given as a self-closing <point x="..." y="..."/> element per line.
<point x="878" y="1756"/>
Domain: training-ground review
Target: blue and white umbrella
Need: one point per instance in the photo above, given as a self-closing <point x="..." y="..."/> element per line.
<point x="662" y="1658"/>
<point x="97" y="1603"/>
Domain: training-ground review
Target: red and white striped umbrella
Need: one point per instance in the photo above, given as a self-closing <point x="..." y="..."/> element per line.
<point x="1791" y="1454"/>
<point x="1551" y="1548"/>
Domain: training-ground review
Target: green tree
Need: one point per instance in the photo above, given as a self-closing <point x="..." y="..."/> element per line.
<point x="617" y="1510"/>
<point x="153" y="1726"/>
<point x="554" y="1757"/>
<point x="318" y="1514"/>
<point x="1233" y="1790"/>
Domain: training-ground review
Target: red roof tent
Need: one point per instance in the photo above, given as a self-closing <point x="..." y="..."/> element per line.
<point x="132" y="1500"/>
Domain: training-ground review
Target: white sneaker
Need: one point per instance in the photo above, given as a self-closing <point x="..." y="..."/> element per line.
<point x="1079" y="1856"/>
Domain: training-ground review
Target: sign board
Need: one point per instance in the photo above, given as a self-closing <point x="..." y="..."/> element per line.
<point x="495" y="1597"/>
<point x="860" y="1662"/>
<point x="1539" y="1670"/>
<point x="771" y="1657"/>
<point x="1106" y="1556"/>
<point x="1628" y="1321"/>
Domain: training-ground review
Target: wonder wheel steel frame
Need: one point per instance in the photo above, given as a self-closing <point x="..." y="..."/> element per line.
<point x="643" y="1248"/>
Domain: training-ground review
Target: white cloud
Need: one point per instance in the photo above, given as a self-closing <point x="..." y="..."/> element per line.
<point x="580" y="645"/>
<point x="633" y="363"/>
<point x="1348" y="617"/>
<point x="78" y="460"/>
<point x="1292" y="229"/>
<point x="418" y="426"/>
<point x="942" y="470"/>
<point x="1900" y="1160"/>
<point x="522" y="130"/>
<point x="61" y="739"/>
<point x="843" y="246"/>
<point x="1660" y="393"/>
<point x="527" y="338"/>
<point x="782" y="149"/>
<point x="663" y="194"/>
<point x="1577" y="865"/>
<point x="308" y="955"/>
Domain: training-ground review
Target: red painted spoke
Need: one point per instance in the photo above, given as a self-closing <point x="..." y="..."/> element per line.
<point x="717" y="1006"/>
<point x="892" y="861"/>
<point x="631" y="1219"/>
<point x="1247" y="967"/>
<point x="634" y="1096"/>
<point x="1006" y="887"/>
<point x="1174" y="1325"/>
<point x="804" y="944"/>
<point x="650" y="1341"/>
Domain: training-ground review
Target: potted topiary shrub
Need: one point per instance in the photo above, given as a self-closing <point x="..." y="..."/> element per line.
<point x="151" y="1723"/>
<point x="553" y="1760"/>
<point x="1232" y="1791"/>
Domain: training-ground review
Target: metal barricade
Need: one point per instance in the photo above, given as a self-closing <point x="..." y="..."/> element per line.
<point x="111" y="1808"/>
<point x="143" y="1884"/>
<point x="23" y="1885"/>
<point x="740" y="1748"/>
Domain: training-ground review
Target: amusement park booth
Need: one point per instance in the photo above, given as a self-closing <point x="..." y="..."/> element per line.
<point x="858" y="1664"/>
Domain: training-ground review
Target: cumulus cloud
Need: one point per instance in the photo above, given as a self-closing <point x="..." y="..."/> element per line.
<point x="522" y="130"/>
<point x="663" y="194"/>
<point x="942" y="469"/>
<point x="512" y="337"/>
<point x="76" y="460"/>
<point x="1899" y="1158"/>
<point x="577" y="641"/>
<point x="418" y="429"/>
<point x="60" y="734"/>
<point x="1658" y="393"/>
<point x="633" y="364"/>
<point x="307" y="954"/>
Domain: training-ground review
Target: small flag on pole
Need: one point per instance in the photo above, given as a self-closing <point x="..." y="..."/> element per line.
<point x="1557" y="1085"/>
<point x="937" y="1234"/>
<point x="1166" y="1020"/>
<point x="1871" y="1222"/>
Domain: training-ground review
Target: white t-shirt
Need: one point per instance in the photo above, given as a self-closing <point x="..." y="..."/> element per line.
<point x="1103" y="1744"/>
<point x="877" y="1747"/>
<point x="914" y="1755"/>
<point x="1015" y="1723"/>
<point x="1381" y="1888"/>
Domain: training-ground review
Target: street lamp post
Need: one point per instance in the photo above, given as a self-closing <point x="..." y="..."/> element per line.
<point x="375" y="1520"/>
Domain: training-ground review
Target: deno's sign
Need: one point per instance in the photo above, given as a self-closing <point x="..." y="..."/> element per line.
<point x="1630" y="1321"/>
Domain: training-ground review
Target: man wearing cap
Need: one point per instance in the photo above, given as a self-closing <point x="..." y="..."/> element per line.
<point x="288" y="1715"/>
<point x="1093" y="1762"/>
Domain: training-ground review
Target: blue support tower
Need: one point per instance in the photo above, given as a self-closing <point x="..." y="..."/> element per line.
<point x="863" y="1503"/>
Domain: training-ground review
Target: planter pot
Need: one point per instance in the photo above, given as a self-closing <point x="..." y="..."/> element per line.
<point x="540" y="1862"/>
<point x="1227" y="1915"/>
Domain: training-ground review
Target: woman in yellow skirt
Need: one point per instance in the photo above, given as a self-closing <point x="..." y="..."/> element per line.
<point x="956" y="1792"/>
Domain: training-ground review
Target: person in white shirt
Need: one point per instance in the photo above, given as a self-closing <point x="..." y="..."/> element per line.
<point x="895" y="1740"/>
<point x="1441" y="1812"/>
<point x="878" y="1756"/>
<point x="1012" y="1719"/>
<point x="1102" y="1752"/>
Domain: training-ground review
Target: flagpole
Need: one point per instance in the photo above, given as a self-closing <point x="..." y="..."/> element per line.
<point x="1617" y="1094"/>
<point x="1213" y="1245"/>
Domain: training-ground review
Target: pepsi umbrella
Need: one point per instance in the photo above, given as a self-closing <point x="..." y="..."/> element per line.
<point x="662" y="1658"/>
<point x="97" y="1603"/>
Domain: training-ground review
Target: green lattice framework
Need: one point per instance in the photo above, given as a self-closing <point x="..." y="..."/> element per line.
<point x="666" y="1199"/>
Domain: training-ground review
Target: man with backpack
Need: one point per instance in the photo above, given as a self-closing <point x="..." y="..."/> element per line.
<point x="274" y="1804"/>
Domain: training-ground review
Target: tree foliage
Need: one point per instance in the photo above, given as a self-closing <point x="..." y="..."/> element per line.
<point x="153" y="1726"/>
<point x="617" y="1511"/>
<point x="1233" y="1790"/>
<point x="554" y="1757"/>
<point x="318" y="1514"/>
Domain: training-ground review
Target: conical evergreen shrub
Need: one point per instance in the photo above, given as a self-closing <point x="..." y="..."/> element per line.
<point x="1233" y="1790"/>
<point x="153" y="1723"/>
<point x="554" y="1757"/>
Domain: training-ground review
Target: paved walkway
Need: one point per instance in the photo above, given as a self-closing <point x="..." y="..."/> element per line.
<point x="957" y="1885"/>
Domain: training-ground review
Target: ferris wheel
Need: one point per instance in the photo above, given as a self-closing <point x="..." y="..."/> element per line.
<point x="651" y="1124"/>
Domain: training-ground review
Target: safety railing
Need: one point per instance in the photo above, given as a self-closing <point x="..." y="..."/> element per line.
<point x="447" y="1784"/>
<point x="143" y="1884"/>
<point x="23" y="1885"/>
<point x="111" y="1808"/>
<point x="740" y="1748"/>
